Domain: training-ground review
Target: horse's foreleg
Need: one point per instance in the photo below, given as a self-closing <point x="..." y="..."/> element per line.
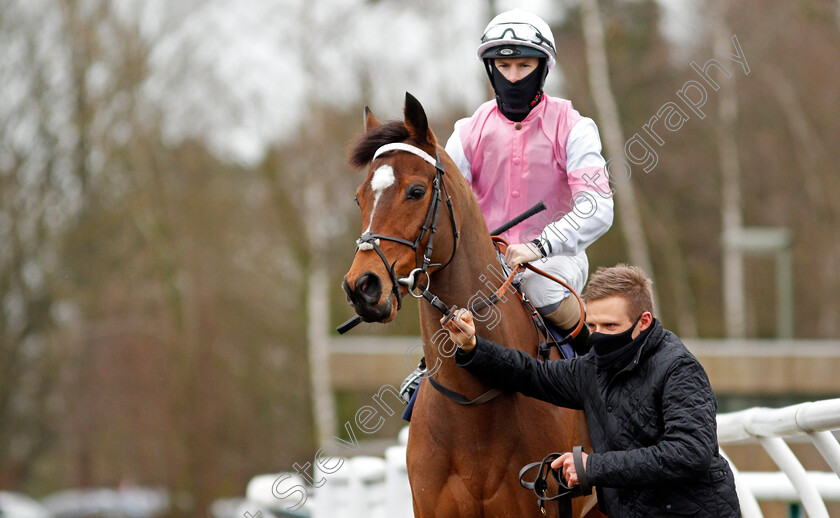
<point x="447" y="503"/>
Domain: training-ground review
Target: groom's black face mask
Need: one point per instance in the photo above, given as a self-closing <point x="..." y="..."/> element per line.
<point x="516" y="100"/>
<point x="606" y="343"/>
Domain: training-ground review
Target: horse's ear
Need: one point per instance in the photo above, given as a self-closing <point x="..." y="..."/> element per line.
<point x="416" y="121"/>
<point x="370" y="120"/>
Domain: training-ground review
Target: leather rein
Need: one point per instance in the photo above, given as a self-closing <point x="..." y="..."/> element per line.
<point x="540" y="483"/>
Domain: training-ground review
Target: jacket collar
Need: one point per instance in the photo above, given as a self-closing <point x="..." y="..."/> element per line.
<point x="651" y="343"/>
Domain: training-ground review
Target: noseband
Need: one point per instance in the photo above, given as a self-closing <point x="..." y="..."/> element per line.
<point x="371" y="240"/>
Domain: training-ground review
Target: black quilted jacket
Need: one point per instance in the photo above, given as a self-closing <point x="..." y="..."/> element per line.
<point x="652" y="425"/>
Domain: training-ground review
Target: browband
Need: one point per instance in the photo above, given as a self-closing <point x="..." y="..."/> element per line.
<point x="399" y="146"/>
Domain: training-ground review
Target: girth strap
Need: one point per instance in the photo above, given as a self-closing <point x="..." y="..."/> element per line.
<point x="462" y="400"/>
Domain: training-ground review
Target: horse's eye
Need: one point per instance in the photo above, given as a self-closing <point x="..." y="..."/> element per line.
<point x="415" y="192"/>
<point x="357" y="200"/>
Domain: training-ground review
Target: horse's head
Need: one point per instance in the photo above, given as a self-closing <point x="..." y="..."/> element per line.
<point x="403" y="238"/>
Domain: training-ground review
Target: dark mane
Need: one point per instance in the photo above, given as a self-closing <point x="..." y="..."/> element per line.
<point x="366" y="145"/>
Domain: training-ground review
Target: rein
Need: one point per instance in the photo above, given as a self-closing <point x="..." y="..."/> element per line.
<point x="540" y="483"/>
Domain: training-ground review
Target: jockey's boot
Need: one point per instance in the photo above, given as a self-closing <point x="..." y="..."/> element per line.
<point x="580" y="343"/>
<point x="410" y="384"/>
<point x="565" y="318"/>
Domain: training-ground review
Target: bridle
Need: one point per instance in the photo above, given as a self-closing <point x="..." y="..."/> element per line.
<point x="370" y="240"/>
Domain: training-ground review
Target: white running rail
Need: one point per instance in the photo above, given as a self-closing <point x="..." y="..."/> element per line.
<point x="816" y="420"/>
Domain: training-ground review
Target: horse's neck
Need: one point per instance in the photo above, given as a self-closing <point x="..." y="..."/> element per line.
<point x="473" y="268"/>
<point x="473" y="275"/>
<point x="475" y="255"/>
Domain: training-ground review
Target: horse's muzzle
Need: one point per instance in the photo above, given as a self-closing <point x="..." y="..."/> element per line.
<point x="365" y="296"/>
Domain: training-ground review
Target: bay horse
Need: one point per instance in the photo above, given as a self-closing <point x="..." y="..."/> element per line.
<point x="423" y="226"/>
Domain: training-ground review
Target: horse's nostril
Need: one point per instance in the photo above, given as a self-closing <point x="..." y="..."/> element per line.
<point x="369" y="287"/>
<point x="348" y="291"/>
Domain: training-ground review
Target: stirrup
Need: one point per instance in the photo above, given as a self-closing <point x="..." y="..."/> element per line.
<point x="409" y="385"/>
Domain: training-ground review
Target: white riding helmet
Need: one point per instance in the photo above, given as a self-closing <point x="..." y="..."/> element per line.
<point x="517" y="33"/>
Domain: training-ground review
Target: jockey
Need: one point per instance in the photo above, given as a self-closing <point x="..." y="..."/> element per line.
<point x="526" y="146"/>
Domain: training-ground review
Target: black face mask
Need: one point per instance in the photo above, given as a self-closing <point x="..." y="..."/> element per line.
<point x="516" y="100"/>
<point x="604" y="343"/>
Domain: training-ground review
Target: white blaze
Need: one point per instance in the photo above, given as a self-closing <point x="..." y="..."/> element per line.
<point x="382" y="179"/>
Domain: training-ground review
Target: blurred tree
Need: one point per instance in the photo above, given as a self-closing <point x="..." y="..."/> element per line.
<point x="787" y="180"/>
<point x="152" y="274"/>
<point x="812" y="157"/>
<point x="734" y="296"/>
<point x="599" y="81"/>
<point x="37" y="191"/>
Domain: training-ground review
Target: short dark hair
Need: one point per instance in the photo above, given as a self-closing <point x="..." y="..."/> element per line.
<point x="625" y="281"/>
